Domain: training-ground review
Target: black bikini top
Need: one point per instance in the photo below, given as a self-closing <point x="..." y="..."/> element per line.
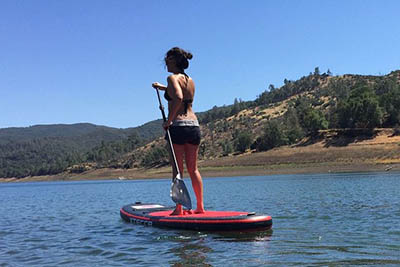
<point x="186" y="102"/>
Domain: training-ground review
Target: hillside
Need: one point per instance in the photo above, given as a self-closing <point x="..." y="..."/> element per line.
<point x="50" y="149"/>
<point x="337" y="111"/>
<point x="86" y="131"/>
<point x="287" y="116"/>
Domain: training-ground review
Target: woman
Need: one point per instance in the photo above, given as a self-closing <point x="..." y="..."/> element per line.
<point x="182" y="122"/>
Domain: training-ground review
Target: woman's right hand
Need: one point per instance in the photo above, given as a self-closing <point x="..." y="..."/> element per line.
<point x="158" y="85"/>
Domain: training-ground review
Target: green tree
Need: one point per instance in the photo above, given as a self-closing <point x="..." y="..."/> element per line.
<point x="360" y="110"/>
<point x="390" y="101"/>
<point x="235" y="108"/>
<point x="293" y="129"/>
<point x="271" y="88"/>
<point x="310" y="119"/>
<point x="227" y="148"/>
<point x="155" y="156"/>
<point x="243" y="141"/>
<point x="273" y="136"/>
<point x="316" y="71"/>
<point x="314" y="121"/>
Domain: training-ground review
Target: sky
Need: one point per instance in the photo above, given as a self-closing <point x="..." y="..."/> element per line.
<point x="94" y="61"/>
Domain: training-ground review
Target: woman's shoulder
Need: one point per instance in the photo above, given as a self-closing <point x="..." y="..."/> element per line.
<point x="178" y="76"/>
<point x="173" y="78"/>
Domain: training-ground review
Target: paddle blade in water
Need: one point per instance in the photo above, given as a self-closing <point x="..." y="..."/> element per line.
<point x="180" y="194"/>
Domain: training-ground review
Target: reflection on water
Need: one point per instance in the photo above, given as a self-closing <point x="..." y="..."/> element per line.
<point x="320" y="219"/>
<point x="191" y="253"/>
<point x="192" y="247"/>
<point x="249" y="236"/>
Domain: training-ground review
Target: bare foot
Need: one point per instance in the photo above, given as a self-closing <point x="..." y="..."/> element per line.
<point x="178" y="210"/>
<point x="199" y="211"/>
<point x="186" y="212"/>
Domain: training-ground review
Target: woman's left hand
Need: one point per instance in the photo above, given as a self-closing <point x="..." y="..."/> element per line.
<point x="167" y="124"/>
<point x="158" y="85"/>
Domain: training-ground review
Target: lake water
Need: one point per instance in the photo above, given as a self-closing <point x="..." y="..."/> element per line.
<point x="319" y="219"/>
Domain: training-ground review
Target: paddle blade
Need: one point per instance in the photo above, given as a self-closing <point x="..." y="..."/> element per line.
<point x="180" y="194"/>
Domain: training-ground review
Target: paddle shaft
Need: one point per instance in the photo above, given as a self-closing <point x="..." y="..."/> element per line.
<point x="169" y="141"/>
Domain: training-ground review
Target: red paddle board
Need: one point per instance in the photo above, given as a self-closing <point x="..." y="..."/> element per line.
<point x="160" y="216"/>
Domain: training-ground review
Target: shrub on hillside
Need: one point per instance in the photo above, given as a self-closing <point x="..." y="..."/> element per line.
<point x="227" y="148"/>
<point x="155" y="156"/>
<point x="390" y="101"/>
<point x="273" y="136"/>
<point x="360" y="110"/>
<point x="292" y="127"/>
<point x="310" y="119"/>
<point x="243" y="141"/>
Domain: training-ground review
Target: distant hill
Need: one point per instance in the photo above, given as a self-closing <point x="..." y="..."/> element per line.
<point x="49" y="149"/>
<point x="93" y="133"/>
<point x="73" y="131"/>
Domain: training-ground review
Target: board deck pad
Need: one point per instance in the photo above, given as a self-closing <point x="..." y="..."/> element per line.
<point x="160" y="216"/>
<point x="208" y="213"/>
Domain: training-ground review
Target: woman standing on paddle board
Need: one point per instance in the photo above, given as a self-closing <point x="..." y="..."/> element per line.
<point x="182" y="122"/>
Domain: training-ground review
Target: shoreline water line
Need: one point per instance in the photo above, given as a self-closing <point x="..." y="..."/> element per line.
<point x="217" y="171"/>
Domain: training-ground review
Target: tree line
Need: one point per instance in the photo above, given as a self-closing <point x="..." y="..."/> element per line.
<point x="53" y="155"/>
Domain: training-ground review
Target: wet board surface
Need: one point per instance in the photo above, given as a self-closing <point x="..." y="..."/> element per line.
<point x="160" y="216"/>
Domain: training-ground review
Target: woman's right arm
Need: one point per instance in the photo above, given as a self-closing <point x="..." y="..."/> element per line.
<point x="159" y="86"/>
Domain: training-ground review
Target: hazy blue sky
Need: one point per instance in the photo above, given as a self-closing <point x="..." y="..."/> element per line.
<point x="94" y="61"/>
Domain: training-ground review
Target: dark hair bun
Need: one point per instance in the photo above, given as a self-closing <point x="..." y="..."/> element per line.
<point x="188" y="55"/>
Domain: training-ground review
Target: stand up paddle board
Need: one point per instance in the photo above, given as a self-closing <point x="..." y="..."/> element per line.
<point x="158" y="215"/>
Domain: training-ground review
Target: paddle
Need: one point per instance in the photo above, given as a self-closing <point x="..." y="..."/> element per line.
<point x="179" y="192"/>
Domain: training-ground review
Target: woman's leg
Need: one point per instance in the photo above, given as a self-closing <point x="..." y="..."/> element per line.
<point x="179" y="154"/>
<point x="191" y="152"/>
